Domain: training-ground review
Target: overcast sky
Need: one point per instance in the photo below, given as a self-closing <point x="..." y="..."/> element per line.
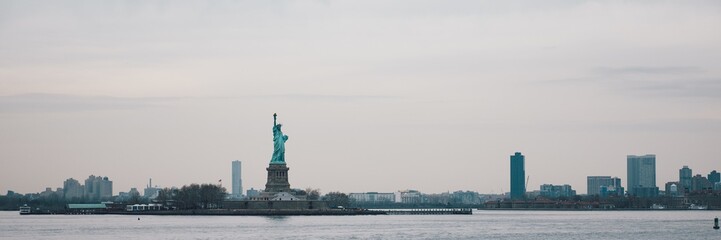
<point x="374" y="95"/>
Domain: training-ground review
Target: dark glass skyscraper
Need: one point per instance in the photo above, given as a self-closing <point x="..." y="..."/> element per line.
<point x="642" y="175"/>
<point x="714" y="177"/>
<point x="684" y="178"/>
<point x="518" y="176"/>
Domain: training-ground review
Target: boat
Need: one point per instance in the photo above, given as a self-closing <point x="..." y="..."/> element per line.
<point x="24" y="209"/>
<point x="697" y="207"/>
<point x="658" y="206"/>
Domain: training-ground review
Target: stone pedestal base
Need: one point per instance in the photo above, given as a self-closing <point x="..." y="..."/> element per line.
<point x="277" y="178"/>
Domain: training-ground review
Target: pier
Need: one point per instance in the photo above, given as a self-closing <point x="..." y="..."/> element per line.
<point x="430" y="211"/>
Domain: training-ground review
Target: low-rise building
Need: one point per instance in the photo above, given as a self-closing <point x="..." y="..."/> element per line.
<point x="556" y="191"/>
<point x="372" y="197"/>
<point x="250" y="193"/>
<point x="411" y="197"/>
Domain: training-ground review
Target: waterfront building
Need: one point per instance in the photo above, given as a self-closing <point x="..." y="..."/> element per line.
<point x="556" y="191"/>
<point x="438" y="198"/>
<point x="411" y="196"/>
<point x="641" y="172"/>
<point x="372" y="197"/>
<point x="237" y="183"/>
<point x="684" y="179"/>
<point x="714" y="177"/>
<point x="518" y="176"/>
<point x="72" y="189"/>
<point x="465" y="198"/>
<point x="603" y="186"/>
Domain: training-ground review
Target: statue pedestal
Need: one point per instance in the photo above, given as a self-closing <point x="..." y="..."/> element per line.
<point x="277" y="178"/>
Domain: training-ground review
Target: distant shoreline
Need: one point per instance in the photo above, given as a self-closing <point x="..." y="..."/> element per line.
<point x="327" y="212"/>
<point x="595" y="209"/>
<point x="224" y="212"/>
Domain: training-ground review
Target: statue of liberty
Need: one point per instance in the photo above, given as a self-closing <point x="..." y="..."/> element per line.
<point x="278" y="143"/>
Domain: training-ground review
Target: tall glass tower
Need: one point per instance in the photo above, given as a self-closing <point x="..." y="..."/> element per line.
<point x="641" y="172"/>
<point x="684" y="178"/>
<point x="518" y="176"/>
<point x="237" y="181"/>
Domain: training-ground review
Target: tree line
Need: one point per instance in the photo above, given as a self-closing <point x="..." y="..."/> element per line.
<point x="193" y="196"/>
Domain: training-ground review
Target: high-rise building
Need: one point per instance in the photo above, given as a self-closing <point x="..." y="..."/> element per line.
<point x="98" y="188"/>
<point x="610" y="185"/>
<point x="237" y="181"/>
<point x="714" y="177"/>
<point x="684" y="179"/>
<point x="72" y="189"/>
<point x="518" y="176"/>
<point x="700" y="183"/>
<point x="641" y="172"/>
<point x="594" y="183"/>
<point x="106" y="188"/>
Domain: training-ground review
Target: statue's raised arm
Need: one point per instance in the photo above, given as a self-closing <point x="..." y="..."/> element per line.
<point x="278" y="143"/>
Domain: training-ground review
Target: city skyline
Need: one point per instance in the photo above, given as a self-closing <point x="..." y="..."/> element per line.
<point x="610" y="185"/>
<point x="423" y="95"/>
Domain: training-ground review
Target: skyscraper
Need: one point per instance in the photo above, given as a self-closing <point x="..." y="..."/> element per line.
<point x="237" y="181"/>
<point x="518" y="176"/>
<point x="596" y="183"/>
<point x="684" y="179"/>
<point x="714" y="177"/>
<point x="72" y="189"/>
<point x="98" y="188"/>
<point x="641" y="172"/>
<point x="700" y="183"/>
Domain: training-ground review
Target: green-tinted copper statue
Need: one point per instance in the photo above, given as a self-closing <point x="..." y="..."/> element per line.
<point x="278" y="143"/>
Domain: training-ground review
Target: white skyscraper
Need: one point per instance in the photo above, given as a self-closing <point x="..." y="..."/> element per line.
<point x="237" y="181"/>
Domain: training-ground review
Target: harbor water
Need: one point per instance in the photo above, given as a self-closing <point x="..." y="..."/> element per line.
<point x="495" y="224"/>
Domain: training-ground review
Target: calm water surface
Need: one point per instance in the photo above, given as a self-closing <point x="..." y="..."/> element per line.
<point x="480" y="225"/>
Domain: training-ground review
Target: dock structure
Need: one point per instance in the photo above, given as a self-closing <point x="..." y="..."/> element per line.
<point x="430" y="211"/>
